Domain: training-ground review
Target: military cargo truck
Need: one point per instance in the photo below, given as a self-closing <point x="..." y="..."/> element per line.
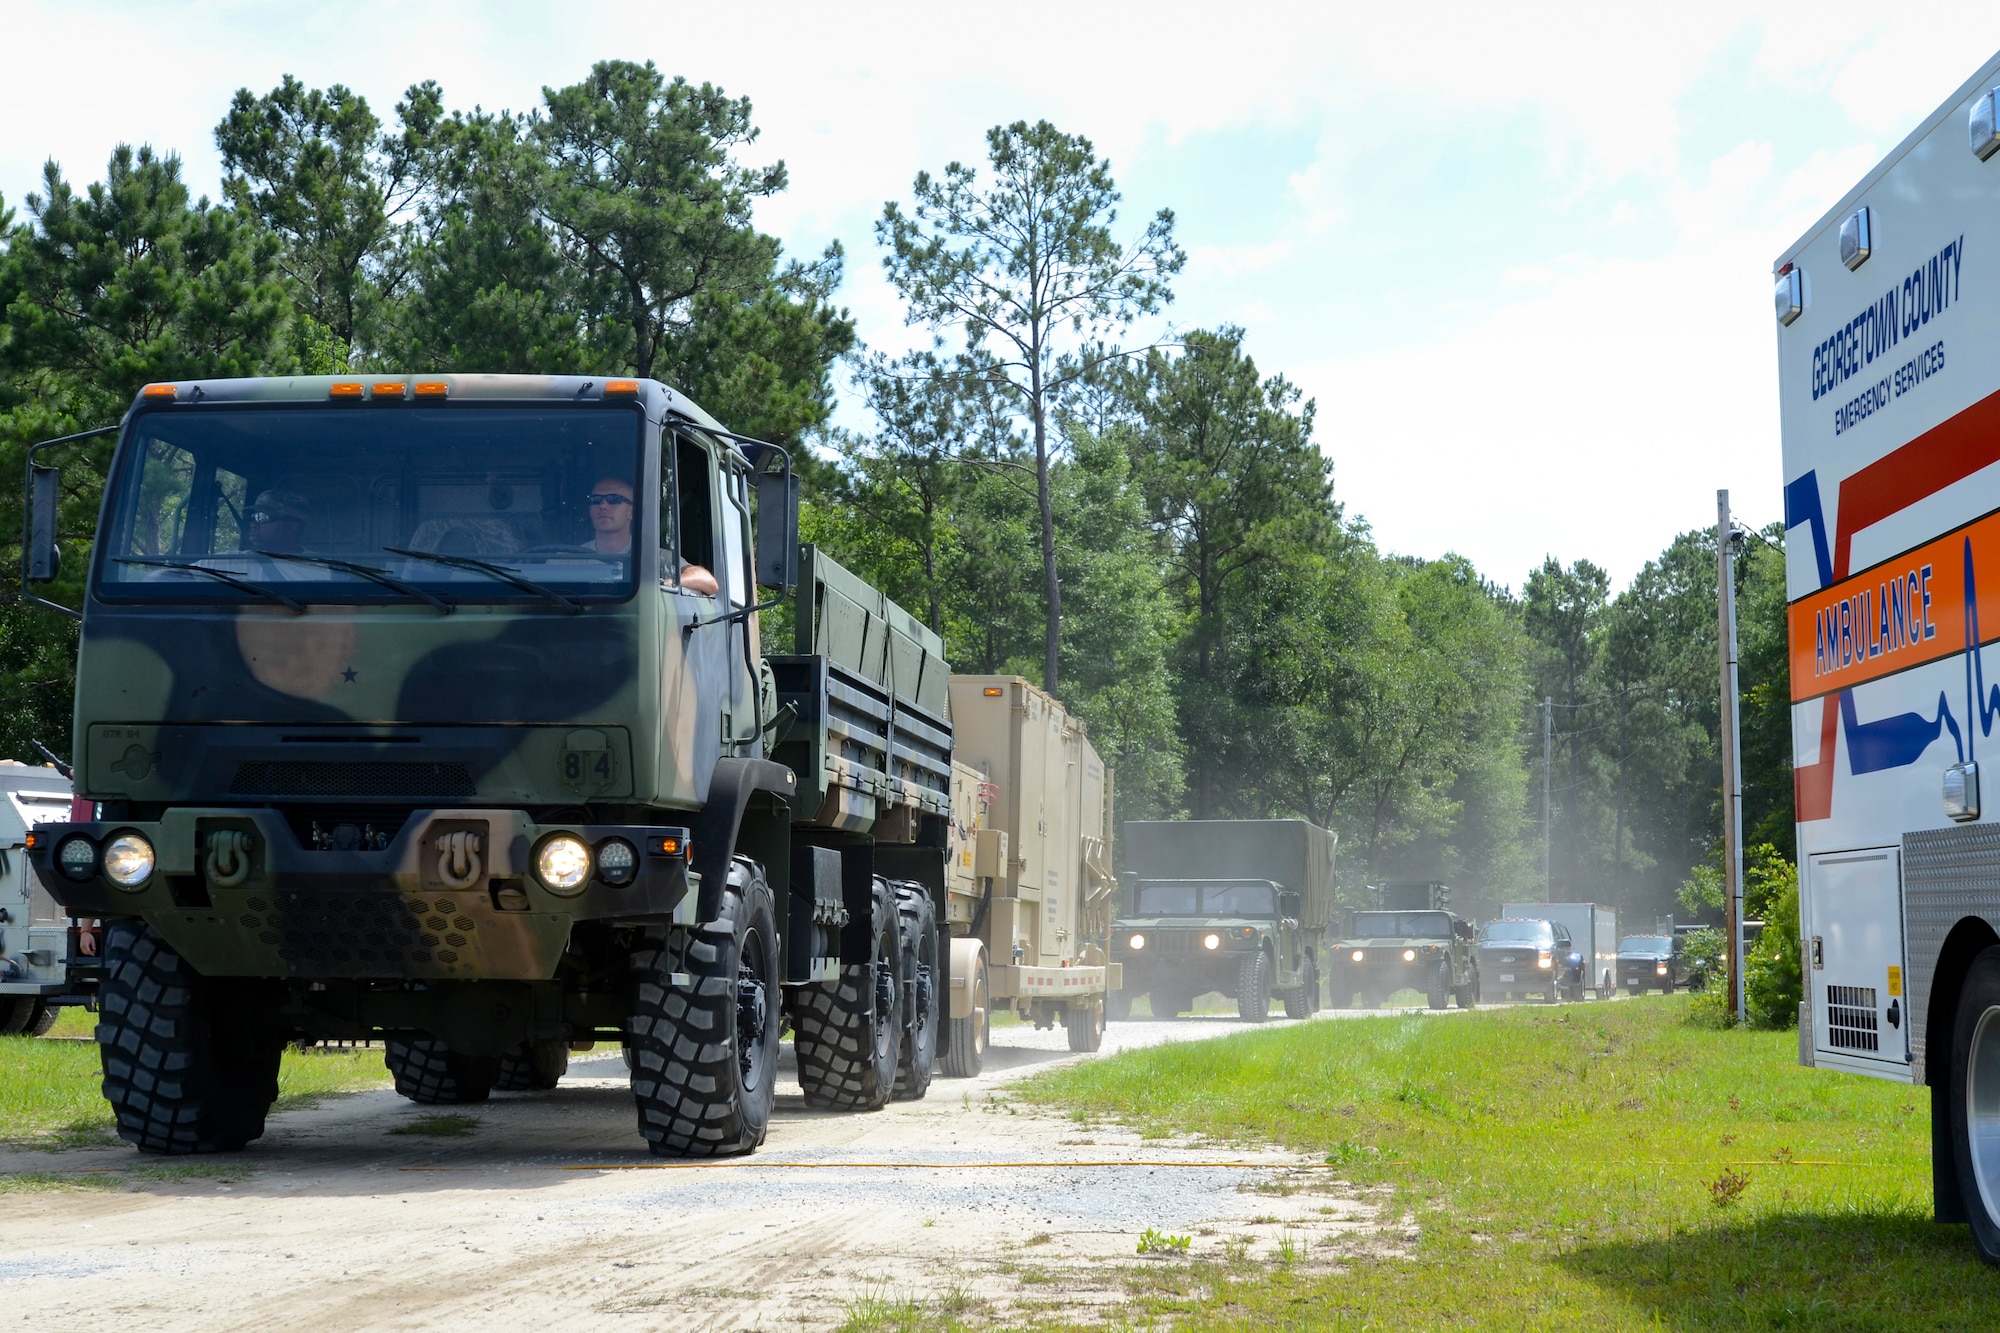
<point x="434" y="711"/>
<point x="1231" y="905"/>
<point x="42" y="963"/>
<point x="1411" y="939"/>
<point x="1030" y="885"/>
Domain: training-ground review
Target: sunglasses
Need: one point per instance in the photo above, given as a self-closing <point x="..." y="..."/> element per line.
<point x="607" y="498"/>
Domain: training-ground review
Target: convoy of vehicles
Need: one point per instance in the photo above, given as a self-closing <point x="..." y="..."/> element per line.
<point x="1652" y="962"/>
<point x="1236" y="906"/>
<point x="1529" y="956"/>
<point x="1889" y="389"/>
<point x="1593" y="932"/>
<point x="1412" y="941"/>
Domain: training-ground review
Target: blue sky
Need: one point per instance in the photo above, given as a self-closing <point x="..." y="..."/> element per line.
<point x="1519" y="255"/>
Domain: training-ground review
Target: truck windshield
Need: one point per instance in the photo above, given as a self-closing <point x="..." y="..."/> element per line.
<point x="312" y="503"/>
<point x="1402" y="925"/>
<point x="1645" y="944"/>
<point x="1517" y="932"/>
<point x="1207" y="900"/>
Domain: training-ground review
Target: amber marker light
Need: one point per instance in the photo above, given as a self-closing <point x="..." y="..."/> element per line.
<point x="432" y="389"/>
<point x="344" y="389"/>
<point x="621" y="386"/>
<point x="34" y="840"/>
<point x="157" y="391"/>
<point x="668" y="846"/>
<point x="389" y="388"/>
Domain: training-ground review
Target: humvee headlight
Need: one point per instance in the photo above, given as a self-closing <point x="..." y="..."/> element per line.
<point x="128" y="861"/>
<point x="563" y="863"/>
<point x="77" y="858"/>
<point x="1359" y="956"/>
<point x="1211" y="941"/>
<point x="617" y="862"/>
<point x="1136" y="940"/>
<point x="1409" y="955"/>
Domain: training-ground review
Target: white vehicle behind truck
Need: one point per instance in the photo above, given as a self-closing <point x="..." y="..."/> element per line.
<point x="39" y="944"/>
<point x="1889" y="372"/>
<point x="1593" y="930"/>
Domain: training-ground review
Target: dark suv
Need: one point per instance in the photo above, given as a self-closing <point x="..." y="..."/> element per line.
<point x="1522" y="956"/>
<point x="1652" y="960"/>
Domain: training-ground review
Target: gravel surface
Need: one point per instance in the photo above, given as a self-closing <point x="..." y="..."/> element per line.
<point x="551" y="1208"/>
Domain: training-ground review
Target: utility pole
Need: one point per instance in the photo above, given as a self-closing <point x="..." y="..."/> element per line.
<point x="1548" y="733"/>
<point x="1732" y="767"/>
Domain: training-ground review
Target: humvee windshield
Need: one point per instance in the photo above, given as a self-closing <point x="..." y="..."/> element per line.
<point x="1402" y="925"/>
<point x="1206" y="900"/>
<point x="279" y="497"/>
<point x="1518" y="932"/>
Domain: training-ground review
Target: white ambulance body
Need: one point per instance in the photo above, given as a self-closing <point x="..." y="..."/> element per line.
<point x="1889" y="371"/>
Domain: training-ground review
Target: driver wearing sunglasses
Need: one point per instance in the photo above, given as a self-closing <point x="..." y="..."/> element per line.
<point x="611" y="513"/>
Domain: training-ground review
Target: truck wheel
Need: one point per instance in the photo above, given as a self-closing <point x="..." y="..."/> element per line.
<point x="1438" y="994"/>
<point x="1118" y="1006"/>
<point x="916" y="936"/>
<point x="1253" y="987"/>
<point x="705" y="1055"/>
<point x="849" y="1033"/>
<point x="430" y="1073"/>
<point x="26" y="1013"/>
<point x="970" y="1034"/>
<point x="43" y="1019"/>
<point x="1298" y="1003"/>
<point x="533" y="1066"/>
<point x="1552" y="994"/>
<point x="190" y="1062"/>
<point x="1085" y="1025"/>
<point x="1468" y="994"/>
<point x="1975" y="1101"/>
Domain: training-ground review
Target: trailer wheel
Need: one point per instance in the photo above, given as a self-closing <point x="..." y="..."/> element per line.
<point x="1085" y="1025"/>
<point x="705" y="1054"/>
<point x="1975" y="1101"/>
<point x="190" y="1062"/>
<point x="849" y="1033"/>
<point x="1253" y="987"/>
<point x="533" y="1066"/>
<point x="1118" y="1006"/>
<point x="430" y="1073"/>
<point x="969" y="1035"/>
<point x="26" y="1013"/>
<point x="916" y="936"/>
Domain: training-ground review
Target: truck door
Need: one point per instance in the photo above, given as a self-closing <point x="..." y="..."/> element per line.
<point x="1854" y="955"/>
<point x="695" y="686"/>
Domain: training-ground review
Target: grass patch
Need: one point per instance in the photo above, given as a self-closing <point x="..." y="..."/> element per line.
<point x="135" y="1177"/>
<point x="444" y="1125"/>
<point x="50" y="1098"/>
<point x="1610" y="1166"/>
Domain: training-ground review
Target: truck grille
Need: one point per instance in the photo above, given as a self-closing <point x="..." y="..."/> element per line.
<point x="379" y="777"/>
<point x="373" y="928"/>
<point x="1850" y="1018"/>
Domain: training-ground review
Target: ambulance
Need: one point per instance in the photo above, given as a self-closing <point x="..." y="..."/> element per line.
<point x="1888" y="326"/>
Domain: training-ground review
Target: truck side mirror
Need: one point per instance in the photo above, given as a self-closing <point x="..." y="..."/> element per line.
<point x="41" y="557"/>
<point x="777" y="530"/>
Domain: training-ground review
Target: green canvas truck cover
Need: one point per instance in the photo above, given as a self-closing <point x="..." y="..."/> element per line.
<point x="1288" y="852"/>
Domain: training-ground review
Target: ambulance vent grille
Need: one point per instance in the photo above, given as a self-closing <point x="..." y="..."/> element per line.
<point x="1850" y="1018"/>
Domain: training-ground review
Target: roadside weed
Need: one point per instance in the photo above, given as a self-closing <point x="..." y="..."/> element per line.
<point x="1154" y="1241"/>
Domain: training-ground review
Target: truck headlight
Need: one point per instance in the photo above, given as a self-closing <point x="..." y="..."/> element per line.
<point x="1135" y="941"/>
<point x="77" y="858"/>
<point x="1546" y="960"/>
<point x="1660" y="969"/>
<point x="1211" y="941"/>
<point x="617" y="861"/>
<point x="128" y="860"/>
<point x="1359" y="956"/>
<point x="563" y="863"/>
<point x="1409" y="955"/>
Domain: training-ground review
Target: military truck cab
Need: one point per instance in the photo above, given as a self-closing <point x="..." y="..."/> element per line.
<point x="1412" y="942"/>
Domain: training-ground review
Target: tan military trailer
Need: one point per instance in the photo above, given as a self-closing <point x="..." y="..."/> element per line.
<point x="1030" y="884"/>
<point x="434" y="710"/>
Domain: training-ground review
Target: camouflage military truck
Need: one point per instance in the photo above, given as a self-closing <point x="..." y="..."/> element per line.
<point x="1410" y="940"/>
<point x="1230" y="905"/>
<point x="1030" y="884"/>
<point x="434" y="711"/>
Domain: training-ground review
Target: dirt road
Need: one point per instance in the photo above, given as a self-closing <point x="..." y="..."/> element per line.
<point x="551" y="1211"/>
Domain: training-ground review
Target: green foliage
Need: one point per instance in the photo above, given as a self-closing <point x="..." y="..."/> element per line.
<point x="1154" y="1241"/>
<point x="1773" y="974"/>
<point x="1707" y="959"/>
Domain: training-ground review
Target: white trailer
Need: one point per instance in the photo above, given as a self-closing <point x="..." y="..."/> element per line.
<point x="38" y="941"/>
<point x="1888" y="316"/>
<point x="1593" y="929"/>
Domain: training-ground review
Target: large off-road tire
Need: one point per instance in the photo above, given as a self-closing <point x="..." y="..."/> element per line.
<point x="1438" y="993"/>
<point x="533" y="1066"/>
<point x="1118" y="1006"/>
<point x="969" y="1035"/>
<point x="1169" y="1003"/>
<point x="705" y="1053"/>
<point x="849" y="1033"/>
<point x="1085" y="1026"/>
<point x="1253" y="987"/>
<point x="1298" y="1001"/>
<point x="1468" y="994"/>
<point x="430" y="1073"/>
<point x="917" y="936"/>
<point x="190" y="1062"/>
<point x="1973" y="1101"/>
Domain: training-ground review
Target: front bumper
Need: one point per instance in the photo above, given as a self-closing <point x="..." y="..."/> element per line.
<point x="1496" y="968"/>
<point x="1643" y="974"/>
<point x="367" y="914"/>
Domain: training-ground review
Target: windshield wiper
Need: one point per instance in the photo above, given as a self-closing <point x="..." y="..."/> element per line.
<point x="500" y="572"/>
<point x="220" y="576"/>
<point x="368" y="572"/>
